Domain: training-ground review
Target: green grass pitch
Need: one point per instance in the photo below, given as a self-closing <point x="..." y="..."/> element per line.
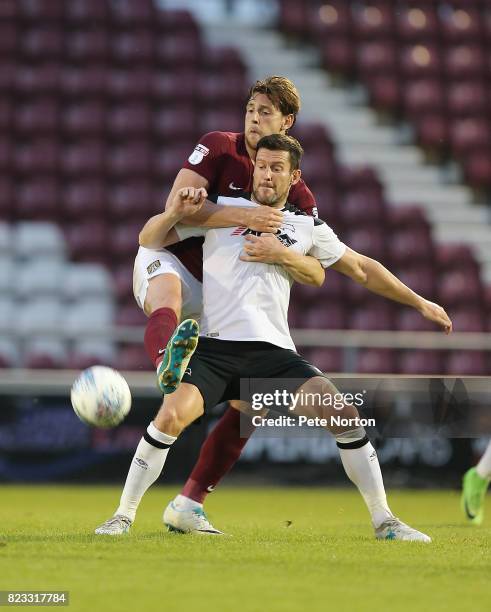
<point x="289" y="549"/>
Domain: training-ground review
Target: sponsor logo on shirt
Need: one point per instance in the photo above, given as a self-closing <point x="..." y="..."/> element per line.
<point x="196" y="157"/>
<point x="155" y="265"/>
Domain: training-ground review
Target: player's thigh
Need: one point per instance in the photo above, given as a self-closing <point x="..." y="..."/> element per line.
<point x="160" y="280"/>
<point x="179" y="409"/>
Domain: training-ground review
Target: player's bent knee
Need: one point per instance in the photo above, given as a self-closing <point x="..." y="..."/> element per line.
<point x="164" y="291"/>
<point x="179" y="410"/>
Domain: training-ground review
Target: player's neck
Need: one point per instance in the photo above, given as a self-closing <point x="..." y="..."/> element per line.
<point x="280" y="204"/>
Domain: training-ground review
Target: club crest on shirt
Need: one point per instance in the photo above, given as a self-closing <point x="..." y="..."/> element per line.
<point x="198" y="154"/>
<point x="155" y="265"/>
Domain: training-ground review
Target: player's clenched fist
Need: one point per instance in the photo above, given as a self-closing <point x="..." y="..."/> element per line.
<point x="265" y="219"/>
<point x="188" y="201"/>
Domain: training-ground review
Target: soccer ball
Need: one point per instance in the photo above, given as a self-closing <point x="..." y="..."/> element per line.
<point x="101" y="397"/>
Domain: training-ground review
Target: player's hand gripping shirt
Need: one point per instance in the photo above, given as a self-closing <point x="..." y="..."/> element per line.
<point x="249" y="300"/>
<point x="222" y="159"/>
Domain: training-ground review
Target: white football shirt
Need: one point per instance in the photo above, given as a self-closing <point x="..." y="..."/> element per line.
<point x="248" y="300"/>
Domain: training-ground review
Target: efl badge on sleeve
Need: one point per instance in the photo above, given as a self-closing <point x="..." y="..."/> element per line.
<point x="198" y="154"/>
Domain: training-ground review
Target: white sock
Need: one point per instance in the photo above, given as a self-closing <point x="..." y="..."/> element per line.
<point x="185" y="503"/>
<point x="145" y="468"/>
<point x="483" y="468"/>
<point x="362" y="468"/>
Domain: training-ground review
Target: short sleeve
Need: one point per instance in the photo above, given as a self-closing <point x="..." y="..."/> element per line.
<point x="326" y="246"/>
<point x="187" y="231"/>
<point x="208" y="155"/>
<point x="302" y="198"/>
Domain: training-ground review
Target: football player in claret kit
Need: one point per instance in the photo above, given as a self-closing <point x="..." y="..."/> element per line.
<point x="167" y="283"/>
<point x="245" y="331"/>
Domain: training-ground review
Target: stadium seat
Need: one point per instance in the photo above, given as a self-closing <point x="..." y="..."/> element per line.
<point x="325" y="316"/>
<point x="88" y="241"/>
<point x="477" y="169"/>
<point x="409" y="247"/>
<point x="132" y="47"/>
<point x="124" y="240"/>
<point x="88" y="316"/>
<point x="44" y="353"/>
<point x="471" y="134"/>
<point x="40" y="316"/>
<point x="459" y="287"/>
<point x="376" y="361"/>
<point x="408" y="319"/>
<point x="123" y="282"/>
<point x="80" y="82"/>
<point x="37" y="199"/>
<point x="330" y="19"/>
<point x="41" y="43"/>
<point x="131" y="200"/>
<point x="460" y="24"/>
<point x="83" y="281"/>
<point x="420" y="61"/>
<point x="465" y="62"/>
<point x="377" y="58"/>
<point x="40" y="116"/>
<point x="8" y="307"/>
<point x="175" y="86"/>
<point x="133" y="158"/>
<point x="8" y="39"/>
<point x="405" y="217"/>
<point x="328" y="360"/>
<point x="421" y="362"/>
<point x="372" y="21"/>
<point x="38" y="240"/>
<point x="9" y="353"/>
<point x="126" y="85"/>
<point x="455" y="257"/>
<point x="40" y="278"/>
<point x="6" y="240"/>
<point x="130" y="314"/>
<point x="30" y="80"/>
<point x="84" y="119"/>
<point x="129" y="121"/>
<point x="369" y="240"/>
<point x="172" y="123"/>
<point x="85" y="199"/>
<point x="86" y="13"/>
<point x="417" y="23"/>
<point x="7" y="198"/>
<point x="86" y="353"/>
<point x="86" y="157"/>
<point x="338" y="55"/>
<point x="420" y="279"/>
<point x="85" y="46"/>
<point x="128" y="14"/>
<point x="362" y="208"/>
<point x="133" y="358"/>
<point x="468" y="363"/>
<point x="41" y="156"/>
<point x="372" y="318"/>
<point x="36" y="11"/>
<point x="467" y="99"/>
<point x="9" y="10"/>
<point x="423" y="97"/>
<point x="177" y="51"/>
<point x="432" y="132"/>
<point x="467" y="319"/>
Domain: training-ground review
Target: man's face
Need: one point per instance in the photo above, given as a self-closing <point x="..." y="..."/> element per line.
<point x="263" y="119"/>
<point x="273" y="177"/>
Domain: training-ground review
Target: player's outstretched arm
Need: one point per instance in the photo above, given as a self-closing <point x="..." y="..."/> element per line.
<point x="376" y="278"/>
<point x="268" y="249"/>
<point x="159" y="231"/>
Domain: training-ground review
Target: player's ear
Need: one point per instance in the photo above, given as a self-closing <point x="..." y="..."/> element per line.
<point x="288" y="122"/>
<point x="295" y="177"/>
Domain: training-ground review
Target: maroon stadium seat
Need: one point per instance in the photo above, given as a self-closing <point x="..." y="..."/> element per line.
<point x="378" y="317"/>
<point x="85" y="199"/>
<point x="7" y="198"/>
<point x="9" y="34"/>
<point x="477" y="169"/>
<point x="6" y="115"/>
<point x="326" y="359"/>
<point x="175" y="21"/>
<point x="329" y="20"/>
<point x="37" y="198"/>
<point x="169" y="160"/>
<point x="421" y="362"/>
<point x="227" y="119"/>
<point x="468" y="363"/>
<point x="83" y="81"/>
<point x="323" y="316"/>
<point x="424" y="96"/>
<point x="377" y="58"/>
<point x="88" y="12"/>
<point x="6" y="154"/>
<point x="409" y="319"/>
<point x="360" y="177"/>
<point x="420" y="279"/>
<point x="87" y="157"/>
<point x="464" y="62"/>
<point x="130" y="314"/>
<point x="376" y="361"/>
<point x="37" y="80"/>
<point x="224" y="60"/>
<point x="369" y="240"/>
<point x="175" y="86"/>
<point x="432" y="131"/>
<point x="131" y="159"/>
<point x="420" y="61"/>
<point x="39" y="156"/>
<point x="84" y="119"/>
<point x="361" y="208"/>
<point x="462" y="24"/>
<point x="372" y="21"/>
<point x="293" y="17"/>
<point x="41" y="43"/>
<point x="9" y="9"/>
<point x="452" y="257"/>
<point x="37" y="117"/>
<point x="38" y="11"/>
<point x="404" y="217"/>
<point x="134" y="47"/>
<point x="172" y="123"/>
<point x="87" y="46"/>
<point x="215" y="89"/>
<point x="385" y="93"/>
<point x="178" y="52"/>
<point x="467" y="319"/>
<point x="89" y="241"/>
<point x="124" y="241"/>
<point x="338" y="55"/>
<point x="418" y="23"/>
<point x="131" y="200"/>
<point x="471" y="134"/>
<point x="134" y="358"/>
<point x="410" y="246"/>
<point x="129" y="121"/>
<point x="128" y="13"/>
<point x="128" y="84"/>
<point x="123" y="282"/>
<point x="469" y="99"/>
<point x="459" y="287"/>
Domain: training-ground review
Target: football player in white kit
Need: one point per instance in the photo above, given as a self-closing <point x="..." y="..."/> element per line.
<point x="244" y="330"/>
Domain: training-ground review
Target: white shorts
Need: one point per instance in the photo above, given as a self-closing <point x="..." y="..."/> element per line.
<point x="150" y="263"/>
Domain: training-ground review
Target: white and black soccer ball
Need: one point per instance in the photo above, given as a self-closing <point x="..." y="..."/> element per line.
<point x="101" y="397"/>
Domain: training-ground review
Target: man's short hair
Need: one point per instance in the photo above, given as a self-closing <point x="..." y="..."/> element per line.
<point x="282" y="142"/>
<point x="282" y="93"/>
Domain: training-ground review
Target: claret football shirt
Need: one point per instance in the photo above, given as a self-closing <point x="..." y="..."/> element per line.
<point x="222" y="159"/>
<point x="249" y="300"/>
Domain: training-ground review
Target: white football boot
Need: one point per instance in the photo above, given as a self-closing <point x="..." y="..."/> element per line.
<point x="394" y="529"/>
<point x="116" y="525"/>
<point x="188" y="518"/>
